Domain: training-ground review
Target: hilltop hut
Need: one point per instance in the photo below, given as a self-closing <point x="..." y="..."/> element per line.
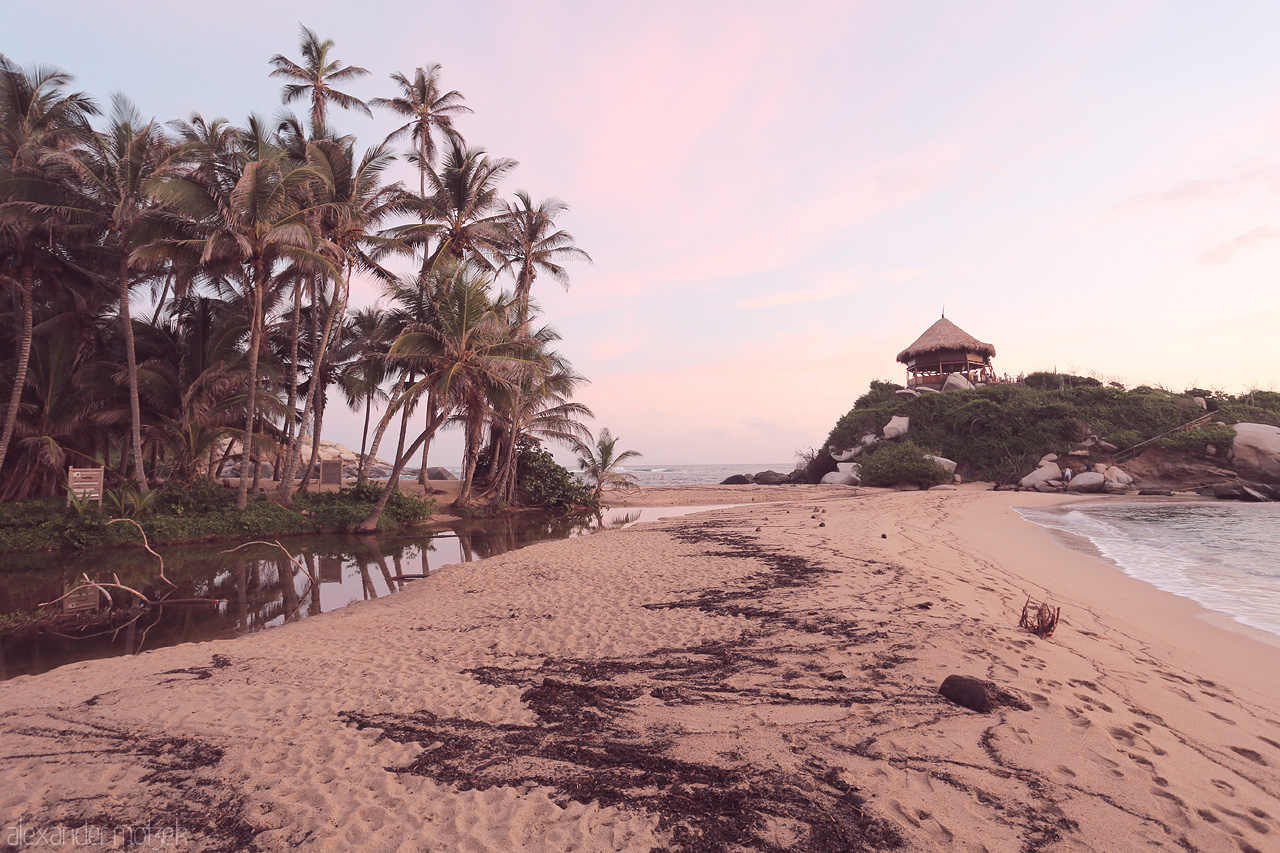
<point x="945" y="350"/>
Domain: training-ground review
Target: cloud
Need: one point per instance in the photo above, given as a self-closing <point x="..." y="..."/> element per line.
<point x="1223" y="252"/>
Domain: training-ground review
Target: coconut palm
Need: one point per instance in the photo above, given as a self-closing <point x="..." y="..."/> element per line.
<point x="248" y="218"/>
<point x="315" y="79"/>
<point x="600" y="461"/>
<point x="534" y="245"/>
<point x="429" y="114"/>
<point x="366" y="372"/>
<point x="37" y="115"/>
<point x="462" y="213"/>
<point x="109" y="172"/>
<point x="467" y="356"/>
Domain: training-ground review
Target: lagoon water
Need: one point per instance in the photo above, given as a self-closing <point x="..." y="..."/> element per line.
<point x="1223" y="555"/>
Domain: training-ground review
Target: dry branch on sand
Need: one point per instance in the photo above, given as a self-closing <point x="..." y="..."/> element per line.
<point x="1039" y="618"/>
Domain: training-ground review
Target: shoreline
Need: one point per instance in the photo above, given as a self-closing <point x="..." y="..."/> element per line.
<point x="572" y="694"/>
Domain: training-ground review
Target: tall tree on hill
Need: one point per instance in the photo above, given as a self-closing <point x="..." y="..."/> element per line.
<point x="37" y="115"/>
<point x="315" y="79"/>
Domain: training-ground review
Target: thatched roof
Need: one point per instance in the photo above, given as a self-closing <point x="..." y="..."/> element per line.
<point x="945" y="335"/>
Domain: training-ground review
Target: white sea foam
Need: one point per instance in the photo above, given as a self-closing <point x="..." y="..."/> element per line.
<point x="1223" y="556"/>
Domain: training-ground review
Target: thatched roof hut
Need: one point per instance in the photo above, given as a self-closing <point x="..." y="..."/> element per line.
<point x="944" y="349"/>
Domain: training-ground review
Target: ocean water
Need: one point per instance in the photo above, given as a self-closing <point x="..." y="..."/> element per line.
<point x="689" y="475"/>
<point x="1225" y="556"/>
<point x="700" y="475"/>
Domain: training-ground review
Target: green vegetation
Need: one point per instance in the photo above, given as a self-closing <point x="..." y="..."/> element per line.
<point x="998" y="432"/>
<point x="543" y="482"/>
<point x="236" y="245"/>
<point x="901" y="463"/>
<point x="600" y="461"/>
<point x="202" y="511"/>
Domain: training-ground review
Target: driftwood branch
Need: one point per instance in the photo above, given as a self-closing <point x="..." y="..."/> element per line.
<point x="147" y="545"/>
<point x="292" y="559"/>
<point x="1039" y="618"/>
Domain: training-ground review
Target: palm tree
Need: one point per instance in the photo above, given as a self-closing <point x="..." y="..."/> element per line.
<point x="37" y="115"/>
<point x="468" y="356"/>
<point x="428" y="112"/>
<point x="357" y="202"/>
<point x="247" y="217"/>
<point x="600" y="462"/>
<point x="315" y="79"/>
<point x="110" y="172"/>
<point x="534" y="245"/>
<point x="463" y="213"/>
<point x="366" y="371"/>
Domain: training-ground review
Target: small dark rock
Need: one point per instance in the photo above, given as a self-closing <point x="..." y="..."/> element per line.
<point x="884" y="536"/>
<point x="820" y="523"/>
<point x="978" y="695"/>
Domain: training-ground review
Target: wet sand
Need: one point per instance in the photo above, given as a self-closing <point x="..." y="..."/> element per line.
<point x="755" y="678"/>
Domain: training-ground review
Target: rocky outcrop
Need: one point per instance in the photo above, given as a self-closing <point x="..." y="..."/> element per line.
<point x="839" y="478"/>
<point x="957" y="382"/>
<point x="897" y="427"/>
<point x="736" y="480"/>
<point x="440" y="474"/>
<point x="1088" y="482"/>
<point x="1255" y="452"/>
<point x="770" y="478"/>
<point x="845" y="455"/>
<point x="907" y="392"/>
<point x="1046" y="478"/>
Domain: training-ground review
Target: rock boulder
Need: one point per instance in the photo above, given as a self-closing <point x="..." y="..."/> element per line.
<point x="897" y="426"/>
<point x="1041" y="476"/>
<point x="1255" y="452"/>
<point x="1089" y="481"/>
<point x="839" y="478"/>
<point x="770" y="478"/>
<point x="736" y="480"/>
<point x="957" y="382"/>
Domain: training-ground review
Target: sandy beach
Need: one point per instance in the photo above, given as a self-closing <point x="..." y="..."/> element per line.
<point x="759" y="678"/>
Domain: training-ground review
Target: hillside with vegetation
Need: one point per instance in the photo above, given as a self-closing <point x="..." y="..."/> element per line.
<point x="999" y="432"/>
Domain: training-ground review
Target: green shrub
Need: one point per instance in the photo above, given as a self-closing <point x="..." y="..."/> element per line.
<point x="542" y="482"/>
<point x="1198" y="440"/>
<point x="1043" y="380"/>
<point x="899" y="464"/>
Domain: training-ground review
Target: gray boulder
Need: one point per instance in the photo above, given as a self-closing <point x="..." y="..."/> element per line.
<point x="945" y="463"/>
<point x="845" y="455"/>
<point x="1118" y="477"/>
<point x="956" y="382"/>
<point x="1106" y="447"/>
<point x="1048" y="457"/>
<point x="1047" y="472"/>
<point x="770" y="478"/>
<point x="925" y="389"/>
<point x="1089" y="481"/>
<point x="897" y="426"/>
<point x="1255" y="452"/>
<point x="870" y="439"/>
<point x="440" y="474"/>
<point x="736" y="480"/>
<point x="907" y="392"/>
<point x="839" y="478"/>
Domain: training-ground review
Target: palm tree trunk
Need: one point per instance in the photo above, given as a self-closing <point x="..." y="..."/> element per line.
<point x="471" y="456"/>
<point x="317" y="389"/>
<point x="24" y="357"/>
<point x="383" y="423"/>
<point x="131" y="365"/>
<point x="364" y="437"/>
<point x="255" y="341"/>
<point x="291" y="410"/>
<point x="370" y="524"/>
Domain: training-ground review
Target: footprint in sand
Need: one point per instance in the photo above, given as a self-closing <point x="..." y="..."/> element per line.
<point x="1244" y="752"/>
<point x="1225" y="787"/>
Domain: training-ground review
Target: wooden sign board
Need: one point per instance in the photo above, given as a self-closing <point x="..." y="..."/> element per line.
<point x="331" y="472"/>
<point x="83" y="599"/>
<point x="85" y="482"/>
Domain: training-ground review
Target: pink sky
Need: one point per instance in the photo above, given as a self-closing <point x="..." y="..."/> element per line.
<point x="780" y="197"/>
